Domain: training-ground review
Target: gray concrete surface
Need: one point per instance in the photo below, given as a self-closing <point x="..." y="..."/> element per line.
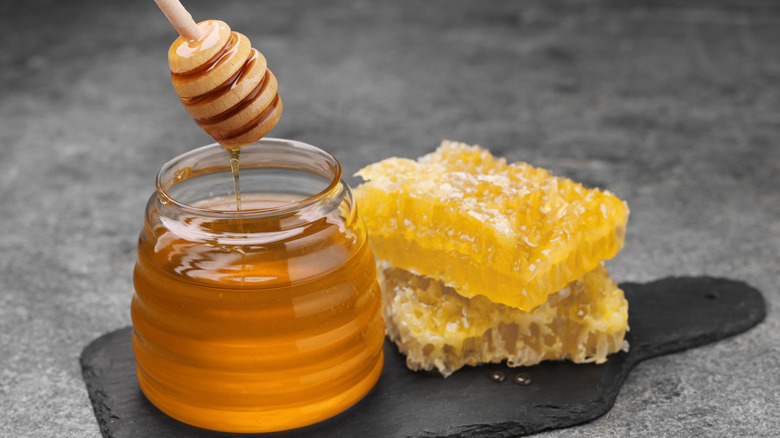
<point x="675" y="106"/>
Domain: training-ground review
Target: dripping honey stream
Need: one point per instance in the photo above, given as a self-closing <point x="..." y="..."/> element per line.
<point x="235" y="164"/>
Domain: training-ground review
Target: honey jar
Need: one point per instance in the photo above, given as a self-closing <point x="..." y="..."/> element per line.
<point x="261" y="319"/>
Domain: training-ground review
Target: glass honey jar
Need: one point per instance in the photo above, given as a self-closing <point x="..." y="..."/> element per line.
<point x="263" y="319"/>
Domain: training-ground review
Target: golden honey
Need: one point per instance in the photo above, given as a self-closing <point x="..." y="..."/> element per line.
<point x="263" y="319"/>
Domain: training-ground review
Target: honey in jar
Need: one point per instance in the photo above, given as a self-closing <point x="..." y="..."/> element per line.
<point x="263" y="319"/>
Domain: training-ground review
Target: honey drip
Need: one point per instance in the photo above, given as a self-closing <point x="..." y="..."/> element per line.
<point x="235" y="158"/>
<point x="498" y="376"/>
<point x="523" y="379"/>
<point x="235" y="162"/>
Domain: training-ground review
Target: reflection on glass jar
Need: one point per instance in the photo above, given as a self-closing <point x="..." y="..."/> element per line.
<point x="261" y="320"/>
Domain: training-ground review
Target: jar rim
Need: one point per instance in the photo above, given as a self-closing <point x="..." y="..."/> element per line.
<point x="327" y="158"/>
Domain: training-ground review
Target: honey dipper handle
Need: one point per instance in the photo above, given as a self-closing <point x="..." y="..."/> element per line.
<point x="180" y="19"/>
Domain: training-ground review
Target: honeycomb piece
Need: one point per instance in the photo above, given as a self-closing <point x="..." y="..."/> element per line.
<point x="511" y="232"/>
<point x="435" y="327"/>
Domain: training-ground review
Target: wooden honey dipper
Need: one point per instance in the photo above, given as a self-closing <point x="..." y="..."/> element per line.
<point x="222" y="81"/>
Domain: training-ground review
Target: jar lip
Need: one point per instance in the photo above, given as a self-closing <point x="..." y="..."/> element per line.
<point x="290" y="207"/>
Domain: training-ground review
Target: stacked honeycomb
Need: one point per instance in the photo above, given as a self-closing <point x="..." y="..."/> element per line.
<point x="487" y="261"/>
<point x="510" y="232"/>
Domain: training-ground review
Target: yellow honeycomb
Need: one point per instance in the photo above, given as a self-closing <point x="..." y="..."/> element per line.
<point x="511" y="232"/>
<point x="438" y="328"/>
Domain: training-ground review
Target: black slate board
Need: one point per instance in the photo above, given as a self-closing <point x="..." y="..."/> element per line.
<point x="665" y="316"/>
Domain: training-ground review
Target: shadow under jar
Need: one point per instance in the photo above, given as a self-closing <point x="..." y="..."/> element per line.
<point x="261" y="320"/>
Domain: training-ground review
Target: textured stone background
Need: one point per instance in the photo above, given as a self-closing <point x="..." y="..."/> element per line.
<point x="674" y="106"/>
